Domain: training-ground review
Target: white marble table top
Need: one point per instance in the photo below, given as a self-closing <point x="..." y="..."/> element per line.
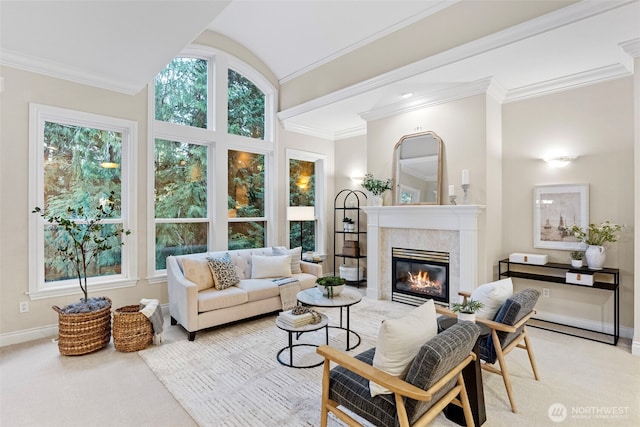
<point x="314" y="297"/>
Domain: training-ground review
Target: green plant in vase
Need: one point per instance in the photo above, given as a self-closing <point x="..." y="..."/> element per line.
<point x="330" y="283"/>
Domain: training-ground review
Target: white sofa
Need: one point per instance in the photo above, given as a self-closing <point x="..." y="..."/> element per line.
<point x="199" y="309"/>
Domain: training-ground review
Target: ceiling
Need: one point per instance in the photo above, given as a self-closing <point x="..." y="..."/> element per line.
<point x="122" y="45"/>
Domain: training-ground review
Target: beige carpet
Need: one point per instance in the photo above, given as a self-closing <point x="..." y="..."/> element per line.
<point x="229" y="376"/>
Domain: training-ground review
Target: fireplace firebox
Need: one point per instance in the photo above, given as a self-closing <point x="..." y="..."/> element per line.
<point x="419" y="275"/>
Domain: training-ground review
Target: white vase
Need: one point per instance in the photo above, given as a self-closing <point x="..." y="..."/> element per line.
<point x="576" y="263"/>
<point x="376" y="200"/>
<point x="466" y="317"/>
<point x="595" y="256"/>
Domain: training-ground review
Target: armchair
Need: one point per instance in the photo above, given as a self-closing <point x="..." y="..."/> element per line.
<point x="508" y="331"/>
<point x="434" y="380"/>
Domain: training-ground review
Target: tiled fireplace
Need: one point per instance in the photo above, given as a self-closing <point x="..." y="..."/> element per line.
<point x="450" y="229"/>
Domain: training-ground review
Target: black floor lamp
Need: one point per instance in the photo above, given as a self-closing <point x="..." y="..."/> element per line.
<point x="300" y="214"/>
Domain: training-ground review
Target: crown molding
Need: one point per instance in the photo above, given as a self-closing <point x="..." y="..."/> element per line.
<point x="307" y="130"/>
<point x="631" y="47"/>
<point x="565" y="16"/>
<point x="573" y="81"/>
<point x="351" y="132"/>
<point x="53" y="69"/>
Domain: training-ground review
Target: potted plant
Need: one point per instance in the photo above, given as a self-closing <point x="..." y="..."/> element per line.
<point x="84" y="326"/>
<point x="467" y="310"/>
<point x="576" y="258"/>
<point x="377" y="187"/>
<point x="331" y="286"/>
<point x="595" y="236"/>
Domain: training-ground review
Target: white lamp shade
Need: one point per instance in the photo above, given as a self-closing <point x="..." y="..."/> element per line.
<point x="301" y="213"/>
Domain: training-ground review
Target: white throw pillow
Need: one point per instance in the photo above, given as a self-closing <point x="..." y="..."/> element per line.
<point x="492" y="296"/>
<point x="270" y="266"/>
<point x="399" y="340"/>
<point x="197" y="271"/>
<point x="296" y="254"/>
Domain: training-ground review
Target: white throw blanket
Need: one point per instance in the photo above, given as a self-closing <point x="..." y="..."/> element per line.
<point x="151" y="308"/>
<point x="289" y="288"/>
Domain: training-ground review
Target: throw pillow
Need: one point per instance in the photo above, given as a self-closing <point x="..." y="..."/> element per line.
<point x="492" y="296"/>
<point x="296" y="254"/>
<point x="223" y="271"/>
<point x="270" y="266"/>
<point x="197" y="271"/>
<point x="399" y="340"/>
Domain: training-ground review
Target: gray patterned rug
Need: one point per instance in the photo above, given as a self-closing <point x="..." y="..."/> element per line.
<point x="229" y="376"/>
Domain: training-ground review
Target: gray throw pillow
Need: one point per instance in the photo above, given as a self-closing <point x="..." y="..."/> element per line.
<point x="296" y="254"/>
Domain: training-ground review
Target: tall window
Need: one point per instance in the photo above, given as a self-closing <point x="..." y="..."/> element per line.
<point x="190" y="193"/>
<point x="182" y="223"/>
<point x="78" y="160"/>
<point x="246" y="190"/>
<point x="302" y="192"/>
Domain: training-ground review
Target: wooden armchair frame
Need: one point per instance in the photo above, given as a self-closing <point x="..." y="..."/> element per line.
<point x="502" y="352"/>
<point x="457" y="395"/>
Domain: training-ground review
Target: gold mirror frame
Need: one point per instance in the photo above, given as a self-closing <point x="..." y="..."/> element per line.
<point x="417" y="169"/>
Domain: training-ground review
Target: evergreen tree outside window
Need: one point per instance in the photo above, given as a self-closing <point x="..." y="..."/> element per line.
<point x="181" y="92"/>
<point x="182" y="224"/>
<point x="246" y="107"/>
<point x="246" y="209"/>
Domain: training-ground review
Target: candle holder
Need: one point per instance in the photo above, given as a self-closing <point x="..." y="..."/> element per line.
<point x="452" y="199"/>
<point x="465" y="198"/>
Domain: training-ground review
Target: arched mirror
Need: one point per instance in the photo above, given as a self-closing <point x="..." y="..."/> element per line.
<point x="417" y="169"/>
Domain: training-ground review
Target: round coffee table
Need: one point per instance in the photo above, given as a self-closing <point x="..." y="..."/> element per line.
<point x="324" y="321"/>
<point x="348" y="297"/>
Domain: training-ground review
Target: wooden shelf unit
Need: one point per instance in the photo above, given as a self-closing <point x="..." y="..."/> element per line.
<point x="607" y="279"/>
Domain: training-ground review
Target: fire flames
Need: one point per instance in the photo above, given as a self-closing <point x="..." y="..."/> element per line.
<point x="421" y="282"/>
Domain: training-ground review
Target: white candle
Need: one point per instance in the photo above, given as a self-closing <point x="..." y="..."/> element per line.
<point x="452" y="190"/>
<point x="465" y="176"/>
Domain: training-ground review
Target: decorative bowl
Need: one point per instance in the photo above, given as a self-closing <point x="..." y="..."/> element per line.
<point x="337" y="290"/>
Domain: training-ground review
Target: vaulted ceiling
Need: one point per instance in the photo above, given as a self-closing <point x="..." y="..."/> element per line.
<point x="121" y="45"/>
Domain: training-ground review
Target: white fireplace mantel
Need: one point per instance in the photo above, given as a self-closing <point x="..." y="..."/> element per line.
<point x="463" y="219"/>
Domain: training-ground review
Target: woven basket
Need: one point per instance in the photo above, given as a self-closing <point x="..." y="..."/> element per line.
<point x="83" y="333"/>
<point x="132" y="330"/>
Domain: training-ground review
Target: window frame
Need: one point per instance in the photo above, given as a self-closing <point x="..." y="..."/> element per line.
<point x="38" y="115"/>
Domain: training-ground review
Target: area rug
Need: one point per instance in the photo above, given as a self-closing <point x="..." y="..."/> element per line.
<point x="229" y="376"/>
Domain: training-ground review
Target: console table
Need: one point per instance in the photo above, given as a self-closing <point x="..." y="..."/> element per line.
<point x="607" y="279"/>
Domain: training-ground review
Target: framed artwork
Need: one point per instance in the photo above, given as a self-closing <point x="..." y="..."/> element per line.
<point x="555" y="209"/>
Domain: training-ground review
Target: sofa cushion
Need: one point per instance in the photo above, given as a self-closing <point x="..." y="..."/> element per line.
<point x="223" y="272"/>
<point x="492" y="296"/>
<point x="198" y="272"/>
<point x="258" y="289"/>
<point x="399" y="340"/>
<point x="270" y="266"/>
<point x="213" y="299"/>
<point x="296" y="255"/>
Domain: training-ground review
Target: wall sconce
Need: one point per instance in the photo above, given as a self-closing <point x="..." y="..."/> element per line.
<point x="357" y="179"/>
<point x="559" y="162"/>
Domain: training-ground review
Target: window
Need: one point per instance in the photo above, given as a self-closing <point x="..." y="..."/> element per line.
<point x="246" y="207"/>
<point x="246" y="107"/>
<point x="182" y="224"/>
<point x="302" y="192"/>
<point x="78" y="159"/>
<point x="212" y="135"/>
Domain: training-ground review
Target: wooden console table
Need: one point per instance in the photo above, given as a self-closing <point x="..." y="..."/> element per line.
<point x="607" y="279"/>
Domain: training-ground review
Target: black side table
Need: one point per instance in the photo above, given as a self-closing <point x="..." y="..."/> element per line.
<point x="472" y="375"/>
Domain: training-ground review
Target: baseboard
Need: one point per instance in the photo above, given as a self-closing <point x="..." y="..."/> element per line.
<point x="607" y="328"/>
<point x="49" y="331"/>
<point x="635" y="348"/>
<point x="26" y="335"/>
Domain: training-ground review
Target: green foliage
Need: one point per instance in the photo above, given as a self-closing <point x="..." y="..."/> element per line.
<point x="577" y="255"/>
<point x="246" y="107"/>
<point x="86" y="236"/>
<point x="181" y="92"/>
<point x="470" y="307"/>
<point x="329" y="282"/>
<point x="597" y="235"/>
<point x="376" y="186"/>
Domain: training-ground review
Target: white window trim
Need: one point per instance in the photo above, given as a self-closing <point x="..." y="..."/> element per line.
<point x="321" y="193"/>
<point x="220" y="141"/>
<point x="38" y="115"/>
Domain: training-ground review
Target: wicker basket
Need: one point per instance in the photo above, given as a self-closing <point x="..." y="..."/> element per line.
<point x="83" y="333"/>
<point x="132" y="331"/>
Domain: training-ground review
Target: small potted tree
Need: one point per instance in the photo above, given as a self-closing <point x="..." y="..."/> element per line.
<point x="467" y="310"/>
<point x="331" y="286"/>
<point x="376" y="187"/>
<point x="84" y="326"/>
